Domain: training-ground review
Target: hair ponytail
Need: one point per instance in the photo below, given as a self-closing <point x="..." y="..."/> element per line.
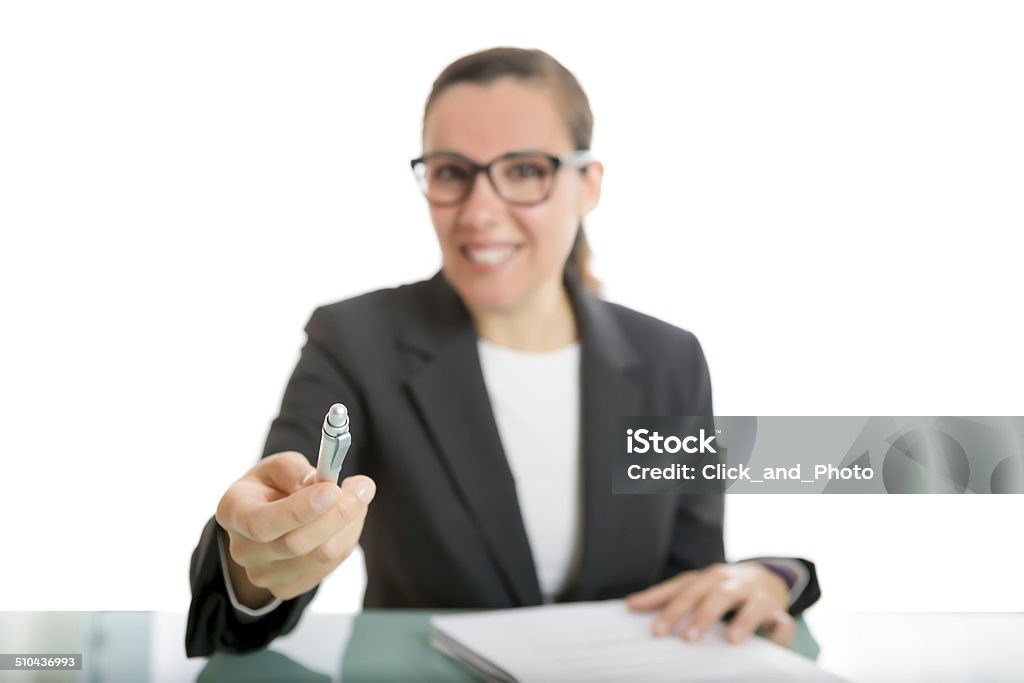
<point x="580" y="258"/>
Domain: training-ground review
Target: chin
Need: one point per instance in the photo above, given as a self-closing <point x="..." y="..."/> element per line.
<point x="481" y="296"/>
<point x="477" y="293"/>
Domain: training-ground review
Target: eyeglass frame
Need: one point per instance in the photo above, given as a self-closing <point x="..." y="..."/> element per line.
<point x="579" y="159"/>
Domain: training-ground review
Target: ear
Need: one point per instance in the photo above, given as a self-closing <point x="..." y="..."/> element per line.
<point x="591" y="190"/>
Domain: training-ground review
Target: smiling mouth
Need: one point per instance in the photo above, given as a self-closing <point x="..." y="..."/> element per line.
<point x="489" y="256"/>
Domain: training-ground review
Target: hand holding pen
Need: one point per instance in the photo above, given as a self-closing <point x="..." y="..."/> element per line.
<point x="289" y="525"/>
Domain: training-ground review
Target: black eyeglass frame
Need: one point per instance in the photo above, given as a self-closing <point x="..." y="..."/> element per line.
<point x="579" y="159"/>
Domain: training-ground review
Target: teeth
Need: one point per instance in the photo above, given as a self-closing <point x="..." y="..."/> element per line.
<point x="489" y="255"/>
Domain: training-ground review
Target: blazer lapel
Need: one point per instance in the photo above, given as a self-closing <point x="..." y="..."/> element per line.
<point x="607" y="393"/>
<point x="448" y="388"/>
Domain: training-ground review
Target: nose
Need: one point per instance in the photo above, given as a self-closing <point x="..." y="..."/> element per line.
<point x="482" y="206"/>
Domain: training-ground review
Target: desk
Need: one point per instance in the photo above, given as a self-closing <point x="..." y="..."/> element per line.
<point x="391" y="645"/>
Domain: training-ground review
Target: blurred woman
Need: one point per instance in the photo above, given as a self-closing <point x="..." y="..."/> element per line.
<point x="484" y="405"/>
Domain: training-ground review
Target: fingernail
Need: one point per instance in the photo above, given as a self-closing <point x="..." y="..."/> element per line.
<point x="308" y="479"/>
<point x="692" y="633"/>
<point x="325" y="499"/>
<point x="366" y="490"/>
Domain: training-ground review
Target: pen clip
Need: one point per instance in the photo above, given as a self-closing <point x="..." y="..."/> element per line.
<point x="340" y="451"/>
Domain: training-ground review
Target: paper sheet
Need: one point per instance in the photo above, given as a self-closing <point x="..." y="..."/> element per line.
<point x="605" y="641"/>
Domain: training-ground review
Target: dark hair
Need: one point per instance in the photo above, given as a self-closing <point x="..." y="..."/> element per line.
<point x="533" y="65"/>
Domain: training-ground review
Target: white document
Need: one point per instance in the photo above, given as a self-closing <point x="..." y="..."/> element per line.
<point x="605" y="641"/>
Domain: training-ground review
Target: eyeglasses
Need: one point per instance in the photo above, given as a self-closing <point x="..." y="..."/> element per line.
<point x="519" y="178"/>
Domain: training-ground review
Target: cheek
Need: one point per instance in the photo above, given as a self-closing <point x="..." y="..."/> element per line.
<point x="554" y="229"/>
<point x="443" y="220"/>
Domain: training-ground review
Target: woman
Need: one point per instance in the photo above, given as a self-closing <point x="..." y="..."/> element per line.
<point x="484" y="404"/>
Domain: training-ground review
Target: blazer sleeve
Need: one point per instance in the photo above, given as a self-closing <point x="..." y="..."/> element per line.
<point x="811" y="592"/>
<point x="315" y="384"/>
<point x="698" y="537"/>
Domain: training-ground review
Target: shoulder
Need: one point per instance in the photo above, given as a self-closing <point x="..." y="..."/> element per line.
<point x="653" y="337"/>
<point x="368" y="315"/>
<point x="671" y="365"/>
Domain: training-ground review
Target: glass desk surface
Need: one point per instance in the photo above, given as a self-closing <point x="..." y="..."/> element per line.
<point x="393" y="645"/>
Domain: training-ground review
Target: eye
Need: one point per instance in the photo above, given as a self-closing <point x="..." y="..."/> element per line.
<point x="526" y="169"/>
<point x="448" y="172"/>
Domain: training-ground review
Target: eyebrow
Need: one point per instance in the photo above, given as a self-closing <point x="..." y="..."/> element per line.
<point x="512" y="153"/>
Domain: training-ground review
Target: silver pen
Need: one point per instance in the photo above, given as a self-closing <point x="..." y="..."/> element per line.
<point x="335" y="440"/>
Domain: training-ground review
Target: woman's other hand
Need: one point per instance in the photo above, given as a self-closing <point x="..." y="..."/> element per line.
<point x="759" y="595"/>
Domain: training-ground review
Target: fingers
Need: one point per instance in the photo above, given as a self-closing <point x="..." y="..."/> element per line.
<point x="351" y="507"/>
<point x="779" y="626"/>
<point x="708" y="599"/>
<point x="301" y="584"/>
<point x="298" y="560"/>
<point x="271" y="479"/>
<point x="288" y="586"/>
<point x="361" y="486"/>
<point x="324" y="558"/>
<point x="684" y="600"/>
<point x="708" y="594"/>
<point x="764" y="607"/>
<point x="296" y="575"/>
<point x="726" y="596"/>
<point x="286" y="530"/>
<point x="262" y="521"/>
<point x="660" y="593"/>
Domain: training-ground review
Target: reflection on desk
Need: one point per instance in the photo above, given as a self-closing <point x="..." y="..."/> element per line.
<point x="392" y="645"/>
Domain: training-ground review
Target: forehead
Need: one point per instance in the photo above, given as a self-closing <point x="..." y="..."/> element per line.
<point x="486" y="121"/>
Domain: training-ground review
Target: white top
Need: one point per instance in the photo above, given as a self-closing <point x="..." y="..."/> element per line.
<point x="535" y="398"/>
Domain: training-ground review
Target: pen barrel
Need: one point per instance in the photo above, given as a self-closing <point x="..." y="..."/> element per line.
<point x="332" y="454"/>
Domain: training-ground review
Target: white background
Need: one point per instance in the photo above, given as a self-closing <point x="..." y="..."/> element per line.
<point x="828" y="194"/>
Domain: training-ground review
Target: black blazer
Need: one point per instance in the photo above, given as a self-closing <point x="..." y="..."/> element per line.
<point x="445" y="530"/>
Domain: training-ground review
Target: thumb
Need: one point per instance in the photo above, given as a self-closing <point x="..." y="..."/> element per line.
<point x="360" y="486"/>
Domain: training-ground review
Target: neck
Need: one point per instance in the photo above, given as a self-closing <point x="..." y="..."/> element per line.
<point x="543" y="322"/>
